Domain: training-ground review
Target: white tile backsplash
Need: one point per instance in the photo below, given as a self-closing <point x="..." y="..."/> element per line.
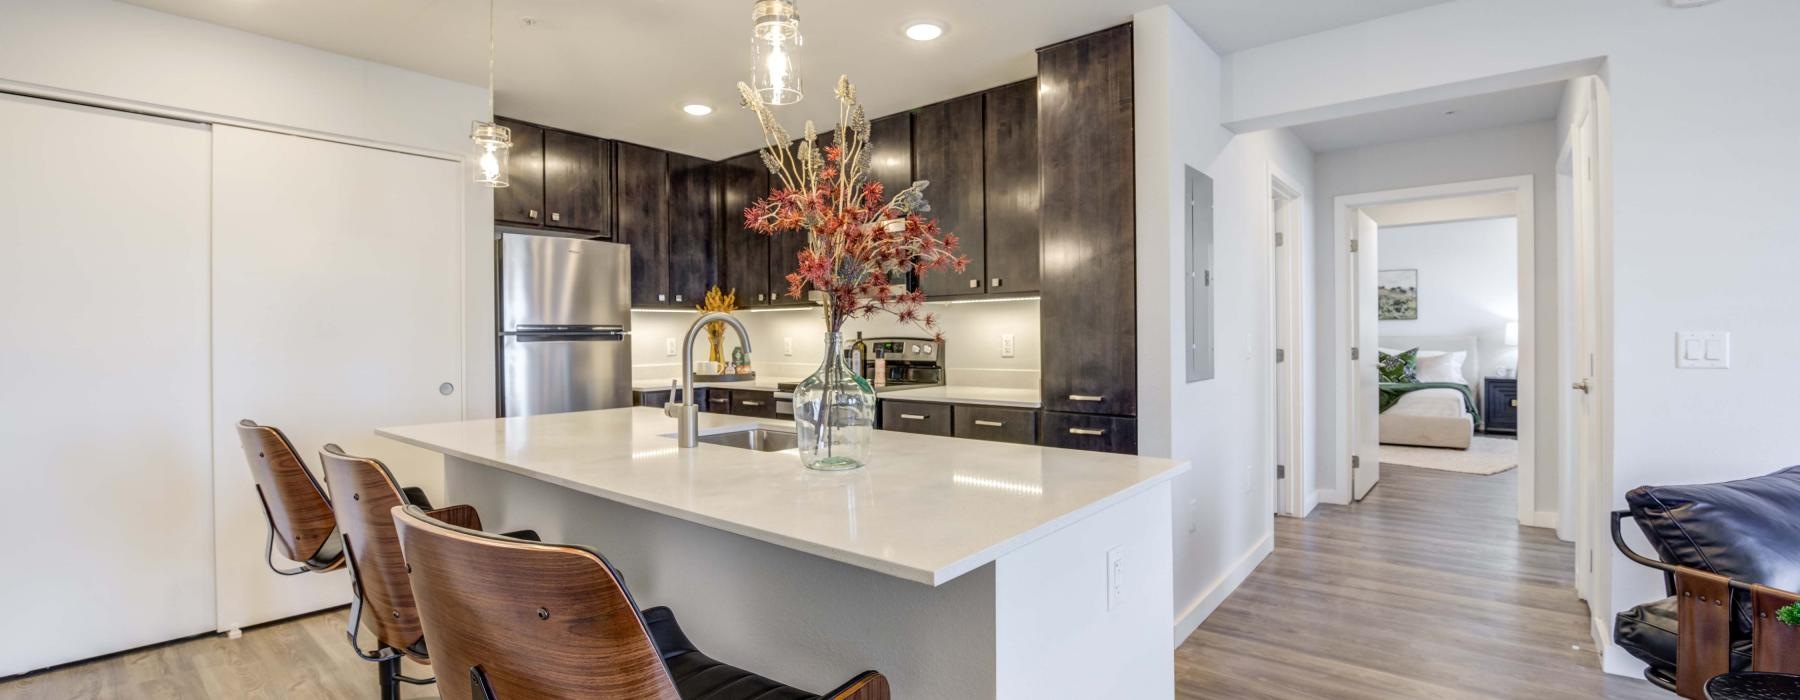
<point x="972" y="341"/>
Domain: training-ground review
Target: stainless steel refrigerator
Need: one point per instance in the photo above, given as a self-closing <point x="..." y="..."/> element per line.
<point x="565" y="324"/>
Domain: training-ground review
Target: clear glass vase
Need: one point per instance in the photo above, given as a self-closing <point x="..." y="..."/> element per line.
<point x="834" y="412"/>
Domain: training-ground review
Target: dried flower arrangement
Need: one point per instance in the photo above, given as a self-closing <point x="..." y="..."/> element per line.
<point x="722" y="301"/>
<point x="858" y="244"/>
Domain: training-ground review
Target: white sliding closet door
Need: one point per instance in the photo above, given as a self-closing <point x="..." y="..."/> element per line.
<point x="107" y="472"/>
<point x="337" y="309"/>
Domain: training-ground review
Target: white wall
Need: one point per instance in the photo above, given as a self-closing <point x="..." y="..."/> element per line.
<point x="1702" y="147"/>
<point x="1223" y="517"/>
<point x="1468" y="283"/>
<point x="119" y="53"/>
<point x="971" y="341"/>
<point x="1525" y="149"/>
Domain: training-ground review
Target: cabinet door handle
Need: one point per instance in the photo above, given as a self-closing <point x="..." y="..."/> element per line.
<point x="531" y="213"/>
<point x="751" y="403"/>
<point x="1086" y="397"/>
<point x="912" y="416"/>
<point x="995" y="282"/>
<point x="1086" y="431"/>
<point x="662" y="297"/>
<point x="555" y="216"/>
<point x="974" y="284"/>
<point x="759" y="297"/>
<point x="678" y="297"/>
<point x="990" y="423"/>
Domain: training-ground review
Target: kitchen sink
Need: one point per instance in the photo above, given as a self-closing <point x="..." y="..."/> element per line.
<point x="758" y="439"/>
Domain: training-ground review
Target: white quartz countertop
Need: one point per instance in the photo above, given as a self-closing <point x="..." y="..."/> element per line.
<point x="757" y="384"/>
<point x="1017" y="398"/>
<point x="926" y="509"/>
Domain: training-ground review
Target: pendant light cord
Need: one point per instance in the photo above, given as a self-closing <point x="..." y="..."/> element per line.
<point x="490" y="59"/>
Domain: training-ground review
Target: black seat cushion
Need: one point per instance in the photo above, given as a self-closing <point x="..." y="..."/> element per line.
<point x="1648" y="633"/>
<point x="330" y="551"/>
<point x="1746" y="530"/>
<point x="700" y="677"/>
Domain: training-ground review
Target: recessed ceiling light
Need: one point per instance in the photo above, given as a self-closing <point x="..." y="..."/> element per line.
<point x="924" y="31"/>
<point x="698" y="110"/>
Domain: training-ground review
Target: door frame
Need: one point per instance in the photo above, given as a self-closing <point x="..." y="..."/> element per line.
<point x="1286" y="331"/>
<point x="1344" y="208"/>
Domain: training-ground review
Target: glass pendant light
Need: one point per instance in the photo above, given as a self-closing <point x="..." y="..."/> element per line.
<point x="493" y="143"/>
<point x="774" y="47"/>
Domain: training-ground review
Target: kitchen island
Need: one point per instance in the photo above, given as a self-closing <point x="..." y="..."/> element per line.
<point x="958" y="568"/>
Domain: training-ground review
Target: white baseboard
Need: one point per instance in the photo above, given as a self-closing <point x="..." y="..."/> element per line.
<point x="1337" y="496"/>
<point x="1215" y="595"/>
<point x="1542" y="518"/>
<point x="1309" y="502"/>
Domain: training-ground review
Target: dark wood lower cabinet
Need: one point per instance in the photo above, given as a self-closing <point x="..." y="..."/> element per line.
<point x="1080" y="431"/>
<point x="715" y="401"/>
<point x="1018" y="425"/>
<point x="753" y="404"/>
<point x="916" y="417"/>
<point x="657" y="398"/>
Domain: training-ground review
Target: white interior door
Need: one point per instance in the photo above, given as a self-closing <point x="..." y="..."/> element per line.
<point x="337" y="309"/>
<point x="1583" y="421"/>
<point x="103" y="383"/>
<point x="1366" y="434"/>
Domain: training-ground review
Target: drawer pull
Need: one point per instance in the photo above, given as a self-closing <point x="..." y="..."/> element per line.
<point x="1087" y="431"/>
<point x="912" y="416"/>
<point x="718" y="400"/>
<point x="751" y="403"/>
<point x="1086" y="397"/>
<point x="990" y="423"/>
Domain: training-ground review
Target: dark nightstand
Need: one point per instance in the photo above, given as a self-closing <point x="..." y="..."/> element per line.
<point x="1500" y="405"/>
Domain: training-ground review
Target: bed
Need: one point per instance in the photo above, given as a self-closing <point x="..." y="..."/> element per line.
<point x="1433" y="417"/>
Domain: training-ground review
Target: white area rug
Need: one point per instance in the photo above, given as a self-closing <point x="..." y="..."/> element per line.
<point x="1486" y="455"/>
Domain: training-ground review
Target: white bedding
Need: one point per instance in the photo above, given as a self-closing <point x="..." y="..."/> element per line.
<point x="1431" y="402"/>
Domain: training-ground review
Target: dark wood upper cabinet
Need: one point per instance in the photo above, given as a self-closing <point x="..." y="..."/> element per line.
<point x="1087" y="224"/>
<point x="746" y="252"/>
<point x="577" y="182"/>
<point x="693" y="225"/>
<point x="1011" y="165"/>
<point x="522" y="201"/>
<point x="643" y="221"/>
<point x="947" y="151"/>
<point x="890" y="153"/>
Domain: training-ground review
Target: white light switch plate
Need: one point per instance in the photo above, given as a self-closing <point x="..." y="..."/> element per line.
<point x="787" y="346"/>
<point x="1007" y="347"/>
<point x="668" y="347"/>
<point x="1703" y="350"/>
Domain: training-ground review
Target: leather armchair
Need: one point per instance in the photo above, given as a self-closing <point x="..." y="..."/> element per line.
<point x="1730" y="555"/>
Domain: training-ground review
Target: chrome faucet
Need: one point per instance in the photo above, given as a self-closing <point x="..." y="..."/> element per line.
<point x="686" y="412"/>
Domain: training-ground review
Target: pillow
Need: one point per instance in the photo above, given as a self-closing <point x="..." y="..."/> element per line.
<point x="1442" y="367"/>
<point x="1743" y="529"/>
<point x="1401" y="367"/>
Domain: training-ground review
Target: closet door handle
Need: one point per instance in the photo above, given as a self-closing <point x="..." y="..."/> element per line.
<point x="1086" y="431"/>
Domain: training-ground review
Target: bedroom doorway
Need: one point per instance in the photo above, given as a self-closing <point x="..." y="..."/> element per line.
<point x="1370" y="291"/>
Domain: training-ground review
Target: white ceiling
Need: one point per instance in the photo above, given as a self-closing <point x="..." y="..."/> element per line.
<point x="623" y="68"/>
<point x="1486" y="111"/>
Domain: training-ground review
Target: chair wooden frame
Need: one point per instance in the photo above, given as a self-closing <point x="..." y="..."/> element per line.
<point x="300" y="517"/>
<point x="525" y="619"/>
<point x="366" y="492"/>
<point x="1704" y="621"/>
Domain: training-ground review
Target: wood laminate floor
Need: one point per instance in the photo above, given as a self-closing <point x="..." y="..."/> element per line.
<point x="1429" y="588"/>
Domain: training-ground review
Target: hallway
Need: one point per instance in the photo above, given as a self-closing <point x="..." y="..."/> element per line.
<point x="1427" y="589"/>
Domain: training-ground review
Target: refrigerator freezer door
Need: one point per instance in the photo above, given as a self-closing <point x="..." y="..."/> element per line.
<point x="550" y="281"/>
<point x="557" y="374"/>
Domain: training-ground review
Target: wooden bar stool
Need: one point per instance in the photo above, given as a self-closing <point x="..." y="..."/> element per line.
<point x="297" y="509"/>
<point x="365" y="495"/>
<point x="509" y="619"/>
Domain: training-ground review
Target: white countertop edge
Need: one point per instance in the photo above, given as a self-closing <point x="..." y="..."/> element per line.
<point x="960" y="395"/>
<point x="929" y="577"/>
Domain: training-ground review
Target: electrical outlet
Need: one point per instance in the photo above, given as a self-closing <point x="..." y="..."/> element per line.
<point x="1007" y="347"/>
<point x="787" y="346"/>
<point x="1249" y="478"/>
<point x="1115" y="577"/>
<point x="668" y="347"/>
